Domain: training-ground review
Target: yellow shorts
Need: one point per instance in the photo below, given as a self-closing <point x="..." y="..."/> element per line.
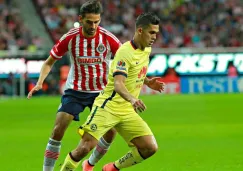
<point x="129" y="126"/>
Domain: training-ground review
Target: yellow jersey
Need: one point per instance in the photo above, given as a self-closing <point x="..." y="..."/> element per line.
<point x="133" y="64"/>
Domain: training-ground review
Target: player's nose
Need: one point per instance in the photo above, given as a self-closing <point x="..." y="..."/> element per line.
<point x="154" y="37"/>
<point x="93" y="25"/>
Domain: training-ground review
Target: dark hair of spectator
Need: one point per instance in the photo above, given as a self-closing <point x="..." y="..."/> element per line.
<point x="145" y="19"/>
<point x="91" y="7"/>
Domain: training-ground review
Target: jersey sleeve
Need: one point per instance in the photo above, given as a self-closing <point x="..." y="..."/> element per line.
<point x="61" y="47"/>
<point x="114" y="43"/>
<point x="121" y="63"/>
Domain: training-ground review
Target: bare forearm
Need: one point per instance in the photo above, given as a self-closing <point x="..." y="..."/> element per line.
<point x="121" y="89"/>
<point x="45" y="70"/>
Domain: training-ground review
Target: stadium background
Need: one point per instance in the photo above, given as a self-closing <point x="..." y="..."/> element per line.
<point x="197" y="121"/>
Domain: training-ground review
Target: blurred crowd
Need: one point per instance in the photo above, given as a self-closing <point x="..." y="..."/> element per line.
<point x="14" y="34"/>
<point x="11" y="85"/>
<point x="185" y="23"/>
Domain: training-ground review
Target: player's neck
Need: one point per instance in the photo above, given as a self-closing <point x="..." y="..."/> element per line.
<point x="137" y="44"/>
<point x="88" y="36"/>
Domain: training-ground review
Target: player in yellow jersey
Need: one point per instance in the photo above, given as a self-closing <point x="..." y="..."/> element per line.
<point x="116" y="104"/>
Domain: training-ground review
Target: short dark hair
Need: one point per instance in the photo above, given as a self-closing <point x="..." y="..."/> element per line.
<point x="92" y="6"/>
<point x="143" y="20"/>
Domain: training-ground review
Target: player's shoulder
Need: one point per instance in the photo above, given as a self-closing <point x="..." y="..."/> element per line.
<point x="71" y="33"/>
<point x="125" y="50"/>
<point x="107" y="33"/>
<point x="148" y="49"/>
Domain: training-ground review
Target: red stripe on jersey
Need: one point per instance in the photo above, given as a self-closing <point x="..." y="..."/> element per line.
<point x="73" y="31"/>
<point x="75" y="82"/>
<point x="104" y="74"/>
<point x="96" y="45"/>
<point x="91" y="77"/>
<point x="104" y="64"/>
<point x="98" y="77"/>
<point x="90" y="68"/>
<point x="81" y="53"/>
<point x="105" y="43"/>
<point x="83" y="87"/>
<point x="97" y="66"/>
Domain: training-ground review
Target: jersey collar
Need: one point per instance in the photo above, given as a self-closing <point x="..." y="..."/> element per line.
<point x="133" y="44"/>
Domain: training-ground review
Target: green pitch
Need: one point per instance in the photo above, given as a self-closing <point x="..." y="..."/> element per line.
<point x="194" y="133"/>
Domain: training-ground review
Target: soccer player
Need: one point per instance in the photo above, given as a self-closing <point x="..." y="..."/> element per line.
<point x="90" y="48"/>
<point x="116" y="105"/>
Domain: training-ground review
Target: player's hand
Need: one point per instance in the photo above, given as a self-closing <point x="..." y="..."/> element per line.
<point x="138" y="105"/>
<point x="155" y="84"/>
<point x="35" y="89"/>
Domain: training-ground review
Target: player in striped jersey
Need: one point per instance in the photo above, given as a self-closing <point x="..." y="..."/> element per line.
<point x="90" y="48"/>
<point x="116" y="104"/>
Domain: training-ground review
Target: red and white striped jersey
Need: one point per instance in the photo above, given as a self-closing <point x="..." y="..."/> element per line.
<point x="89" y="58"/>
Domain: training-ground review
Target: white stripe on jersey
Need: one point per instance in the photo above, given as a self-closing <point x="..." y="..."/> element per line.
<point x="108" y="58"/>
<point x="53" y="53"/>
<point x="69" y="82"/>
<point x="94" y="69"/>
<point x="109" y="34"/>
<point x="85" y="49"/>
<point x="93" y="47"/>
<point x="100" y="65"/>
<point x="73" y="31"/>
<point x="109" y="53"/>
<point x="77" y="56"/>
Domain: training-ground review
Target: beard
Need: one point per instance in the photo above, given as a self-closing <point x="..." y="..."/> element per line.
<point x="89" y="32"/>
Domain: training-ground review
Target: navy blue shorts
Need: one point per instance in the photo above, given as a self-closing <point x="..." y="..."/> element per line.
<point x="74" y="102"/>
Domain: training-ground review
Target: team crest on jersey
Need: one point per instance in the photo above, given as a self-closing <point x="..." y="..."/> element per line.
<point x="121" y="65"/>
<point x="93" y="127"/>
<point x="101" y="48"/>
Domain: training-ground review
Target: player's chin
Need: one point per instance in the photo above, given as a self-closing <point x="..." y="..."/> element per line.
<point x="150" y="44"/>
<point x="91" y="33"/>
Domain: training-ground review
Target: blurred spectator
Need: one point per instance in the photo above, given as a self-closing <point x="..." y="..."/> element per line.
<point x="171" y="75"/>
<point x="185" y="23"/>
<point x="14" y="35"/>
<point x="232" y="70"/>
<point x="8" y="85"/>
<point x="53" y="87"/>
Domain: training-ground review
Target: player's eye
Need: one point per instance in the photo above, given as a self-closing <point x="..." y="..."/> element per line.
<point x="92" y="22"/>
<point x="154" y="32"/>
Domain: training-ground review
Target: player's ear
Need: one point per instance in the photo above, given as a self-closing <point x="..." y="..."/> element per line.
<point x="80" y="18"/>
<point x="140" y="30"/>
